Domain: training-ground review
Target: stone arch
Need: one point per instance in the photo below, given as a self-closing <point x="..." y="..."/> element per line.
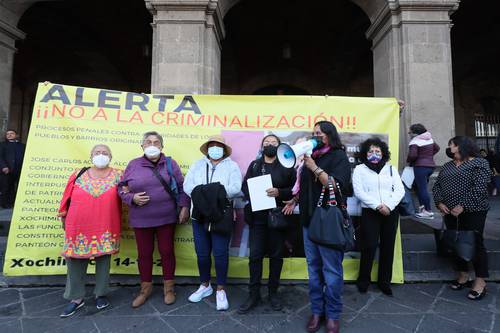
<point x="370" y="7"/>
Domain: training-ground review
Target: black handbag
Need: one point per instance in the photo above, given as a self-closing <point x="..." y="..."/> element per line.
<point x="276" y="219"/>
<point x="225" y="225"/>
<point x="331" y="226"/>
<point x="460" y="243"/>
<point x="406" y="206"/>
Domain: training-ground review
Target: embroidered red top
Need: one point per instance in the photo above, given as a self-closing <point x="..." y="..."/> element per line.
<point x="92" y="222"/>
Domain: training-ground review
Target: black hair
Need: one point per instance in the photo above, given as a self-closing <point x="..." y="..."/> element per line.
<point x="466" y="147"/>
<point x="418" y="129"/>
<point x="11" y="130"/>
<point x="273" y="135"/>
<point x="331" y="132"/>
<point x="364" y="147"/>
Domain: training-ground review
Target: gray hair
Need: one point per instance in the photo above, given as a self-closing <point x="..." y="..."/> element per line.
<point x="158" y="136"/>
<point x="100" y="145"/>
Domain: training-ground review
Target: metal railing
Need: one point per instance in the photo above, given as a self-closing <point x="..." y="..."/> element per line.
<point x="487" y="129"/>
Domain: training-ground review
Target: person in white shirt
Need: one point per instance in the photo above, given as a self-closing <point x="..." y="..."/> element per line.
<point x="378" y="187"/>
<point x="215" y="167"/>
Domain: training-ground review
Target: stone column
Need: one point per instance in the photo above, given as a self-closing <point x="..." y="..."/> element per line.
<point x="8" y="36"/>
<point x="412" y="61"/>
<point x="186" y="46"/>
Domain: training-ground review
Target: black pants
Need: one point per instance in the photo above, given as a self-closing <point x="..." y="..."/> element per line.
<point x="264" y="240"/>
<point x="471" y="221"/>
<point x="8" y="187"/>
<point x="375" y="226"/>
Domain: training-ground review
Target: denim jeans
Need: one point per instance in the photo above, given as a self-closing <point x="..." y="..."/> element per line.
<point x="422" y="175"/>
<point x="205" y="243"/>
<point x="326" y="278"/>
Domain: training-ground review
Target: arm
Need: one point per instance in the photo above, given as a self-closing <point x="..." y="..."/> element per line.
<point x="234" y="186"/>
<point x="481" y="178"/>
<point x="184" y="200"/>
<point x="68" y="191"/>
<point x="244" y="186"/>
<point x="189" y="180"/>
<point x="366" y="198"/>
<point x="125" y="194"/>
<point x="3" y="162"/>
<point x="285" y="193"/>
<point x="435" y="148"/>
<point x="412" y="154"/>
<point x="399" y="191"/>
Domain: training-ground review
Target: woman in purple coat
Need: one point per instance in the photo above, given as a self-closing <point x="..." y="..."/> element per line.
<point x="148" y="188"/>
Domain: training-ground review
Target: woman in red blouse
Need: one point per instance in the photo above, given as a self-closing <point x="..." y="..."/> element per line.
<point x="91" y="214"/>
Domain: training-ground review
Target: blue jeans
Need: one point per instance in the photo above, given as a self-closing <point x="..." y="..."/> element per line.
<point x="496" y="180"/>
<point x="205" y="243"/>
<point x="326" y="278"/>
<point x="422" y="175"/>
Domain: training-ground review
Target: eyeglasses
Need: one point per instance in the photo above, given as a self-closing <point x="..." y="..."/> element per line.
<point x="270" y="143"/>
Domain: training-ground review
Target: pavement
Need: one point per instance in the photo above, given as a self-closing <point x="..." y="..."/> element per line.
<point x="428" y="307"/>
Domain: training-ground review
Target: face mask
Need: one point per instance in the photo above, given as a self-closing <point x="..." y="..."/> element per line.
<point x="374" y="158"/>
<point x="319" y="140"/>
<point x="152" y="151"/>
<point x="270" y="151"/>
<point x="215" y="153"/>
<point x="449" y="153"/>
<point x="100" y="161"/>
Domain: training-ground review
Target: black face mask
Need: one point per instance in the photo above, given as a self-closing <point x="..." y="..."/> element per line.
<point x="270" y="151"/>
<point x="449" y="153"/>
<point x="319" y="140"/>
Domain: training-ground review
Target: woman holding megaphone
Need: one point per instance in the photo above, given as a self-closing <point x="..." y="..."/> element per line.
<point x="267" y="227"/>
<point x="324" y="264"/>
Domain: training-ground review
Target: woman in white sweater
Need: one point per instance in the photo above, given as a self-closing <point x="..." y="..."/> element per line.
<point x="378" y="187"/>
<point x="215" y="167"/>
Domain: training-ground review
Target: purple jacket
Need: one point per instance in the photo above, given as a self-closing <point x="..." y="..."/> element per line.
<point x="422" y="150"/>
<point x="160" y="209"/>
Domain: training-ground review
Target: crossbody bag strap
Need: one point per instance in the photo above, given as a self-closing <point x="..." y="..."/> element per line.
<point x="163" y="182"/>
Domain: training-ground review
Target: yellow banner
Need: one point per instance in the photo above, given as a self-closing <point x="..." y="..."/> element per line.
<point x="68" y="121"/>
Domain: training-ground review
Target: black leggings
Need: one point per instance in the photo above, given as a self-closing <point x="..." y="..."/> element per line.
<point x="471" y="221"/>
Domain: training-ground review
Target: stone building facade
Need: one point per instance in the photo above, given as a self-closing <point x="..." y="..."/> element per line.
<point x="400" y="48"/>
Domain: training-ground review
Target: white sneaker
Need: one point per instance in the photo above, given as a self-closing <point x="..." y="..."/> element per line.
<point x="425" y="215"/>
<point x="222" y="303"/>
<point x="201" y="293"/>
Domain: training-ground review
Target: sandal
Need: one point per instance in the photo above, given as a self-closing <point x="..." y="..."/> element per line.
<point x="455" y="285"/>
<point x="476" y="296"/>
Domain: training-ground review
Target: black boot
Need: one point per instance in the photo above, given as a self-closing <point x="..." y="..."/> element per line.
<point x="251" y="302"/>
<point x="275" y="301"/>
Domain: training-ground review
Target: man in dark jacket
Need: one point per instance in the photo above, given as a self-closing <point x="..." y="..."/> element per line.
<point x="11" y="160"/>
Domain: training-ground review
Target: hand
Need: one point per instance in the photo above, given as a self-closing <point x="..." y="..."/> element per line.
<point x="384" y="210"/>
<point x="442" y="207"/>
<point x="310" y="163"/>
<point x="457" y="210"/>
<point x="183" y="215"/>
<point x="272" y="192"/>
<point x="140" y="199"/>
<point x="289" y="207"/>
<point x="5" y="170"/>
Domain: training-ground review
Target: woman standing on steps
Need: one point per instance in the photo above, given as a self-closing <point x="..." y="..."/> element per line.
<point x="461" y="194"/>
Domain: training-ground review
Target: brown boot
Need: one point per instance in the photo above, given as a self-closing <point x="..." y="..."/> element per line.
<point x="169" y="292"/>
<point x="146" y="290"/>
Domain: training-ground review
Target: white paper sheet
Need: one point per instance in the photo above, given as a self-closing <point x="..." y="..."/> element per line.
<point x="257" y="187"/>
<point x="408" y="176"/>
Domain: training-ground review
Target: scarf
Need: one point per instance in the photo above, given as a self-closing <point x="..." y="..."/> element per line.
<point x="377" y="167"/>
<point x="316" y="154"/>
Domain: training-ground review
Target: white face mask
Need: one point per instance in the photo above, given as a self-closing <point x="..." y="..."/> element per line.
<point x="101" y="161"/>
<point x="152" y="151"/>
<point x="215" y="153"/>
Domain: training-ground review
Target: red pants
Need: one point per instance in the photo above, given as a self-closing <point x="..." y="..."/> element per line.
<point x="145" y="237"/>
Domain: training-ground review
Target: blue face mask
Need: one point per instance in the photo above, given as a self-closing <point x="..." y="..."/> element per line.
<point x="215" y="153"/>
<point x="374" y="158"/>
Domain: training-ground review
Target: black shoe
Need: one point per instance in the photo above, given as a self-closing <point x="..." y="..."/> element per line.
<point x="455" y="285"/>
<point x="251" y="302"/>
<point x="385" y="289"/>
<point x="475" y="296"/>
<point x="101" y="302"/>
<point x="362" y="286"/>
<point x="275" y="302"/>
